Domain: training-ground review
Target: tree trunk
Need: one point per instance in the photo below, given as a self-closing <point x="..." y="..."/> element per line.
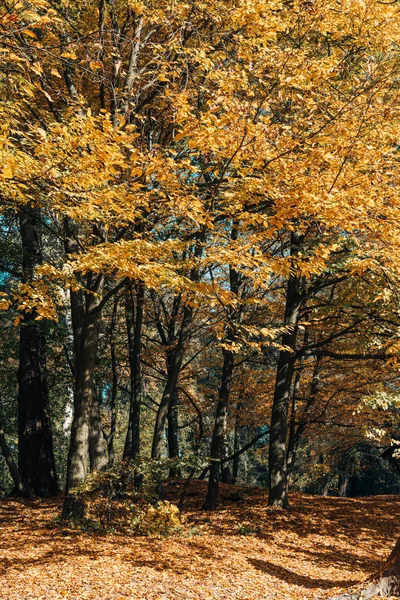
<point x="134" y="324"/>
<point x="114" y="389"/>
<point x="98" y="455"/>
<point x="35" y="441"/>
<point x="173" y="433"/>
<point x="296" y="433"/>
<point x="19" y="486"/>
<point x="292" y="441"/>
<point x="226" y="475"/>
<point x="386" y="583"/>
<point x="219" y="447"/>
<point x="239" y="440"/>
<point x="219" y="431"/>
<point x="171" y="385"/>
<point x="176" y="359"/>
<point x="84" y="382"/>
<point x="278" y="430"/>
<point x="76" y="297"/>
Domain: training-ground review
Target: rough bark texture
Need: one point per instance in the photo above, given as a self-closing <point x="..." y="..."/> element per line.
<point x="386" y="583"/>
<point x="278" y="431"/>
<point x="134" y="321"/>
<point x="35" y="442"/>
<point x="84" y="382"/>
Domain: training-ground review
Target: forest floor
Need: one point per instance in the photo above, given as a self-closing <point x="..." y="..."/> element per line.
<point x="245" y="550"/>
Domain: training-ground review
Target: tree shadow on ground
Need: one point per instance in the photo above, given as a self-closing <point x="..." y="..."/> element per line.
<point x="293" y="578"/>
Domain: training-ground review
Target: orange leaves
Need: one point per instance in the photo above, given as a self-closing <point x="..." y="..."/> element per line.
<point x="243" y="551"/>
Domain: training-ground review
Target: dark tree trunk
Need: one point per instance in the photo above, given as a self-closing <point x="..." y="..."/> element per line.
<point x="20" y="488"/>
<point x="219" y="432"/>
<point x="134" y="323"/>
<point x="35" y="442"/>
<point x="173" y="433"/>
<point x="386" y="583"/>
<point x="278" y="430"/>
<point x="98" y="456"/>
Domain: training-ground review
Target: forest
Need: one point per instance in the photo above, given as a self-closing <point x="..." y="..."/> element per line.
<point x="199" y="298"/>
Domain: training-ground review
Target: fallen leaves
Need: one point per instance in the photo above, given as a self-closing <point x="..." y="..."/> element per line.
<point x="244" y="551"/>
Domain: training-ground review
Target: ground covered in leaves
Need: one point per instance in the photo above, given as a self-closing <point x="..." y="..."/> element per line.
<point x="243" y="551"/>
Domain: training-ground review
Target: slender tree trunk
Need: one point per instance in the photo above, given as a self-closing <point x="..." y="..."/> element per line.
<point x="219" y="432"/>
<point x="114" y="389"/>
<point x="19" y="486"/>
<point x="98" y="456"/>
<point x="35" y="442"/>
<point x="238" y="442"/>
<point x="134" y="323"/>
<point x="226" y="476"/>
<point x="173" y="433"/>
<point x="76" y="296"/>
<point x="172" y="381"/>
<point x="219" y="441"/>
<point x="175" y="364"/>
<point x="278" y="430"/>
<point x="297" y="431"/>
<point x="292" y="446"/>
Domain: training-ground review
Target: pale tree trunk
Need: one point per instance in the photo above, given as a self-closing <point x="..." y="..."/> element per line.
<point x="226" y="475"/>
<point x="35" y="442"/>
<point x="278" y="480"/>
<point x="386" y="583"/>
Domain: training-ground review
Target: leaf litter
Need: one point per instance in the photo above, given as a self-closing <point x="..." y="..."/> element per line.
<point x="243" y="551"/>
